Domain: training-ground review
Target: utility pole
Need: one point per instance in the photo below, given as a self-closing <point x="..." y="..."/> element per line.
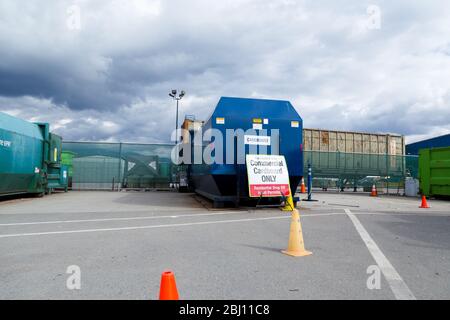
<point x="176" y="97"/>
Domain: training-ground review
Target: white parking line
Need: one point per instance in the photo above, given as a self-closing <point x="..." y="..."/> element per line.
<point x="139" y="227"/>
<point x="117" y="219"/>
<point x="395" y="281"/>
<point x="13" y="224"/>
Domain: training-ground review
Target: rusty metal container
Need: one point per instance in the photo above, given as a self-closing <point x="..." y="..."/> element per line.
<point x="353" y="142"/>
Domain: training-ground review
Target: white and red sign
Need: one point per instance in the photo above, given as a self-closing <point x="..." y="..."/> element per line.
<point x="267" y="176"/>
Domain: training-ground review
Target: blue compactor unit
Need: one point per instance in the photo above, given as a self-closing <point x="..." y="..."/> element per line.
<point x="30" y="158"/>
<point x="227" y="181"/>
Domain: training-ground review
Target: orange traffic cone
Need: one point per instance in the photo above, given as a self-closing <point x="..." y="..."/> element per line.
<point x="374" y="192"/>
<point x="424" y="204"/>
<point x="168" y="289"/>
<point x="302" y="188"/>
<point x="296" y="246"/>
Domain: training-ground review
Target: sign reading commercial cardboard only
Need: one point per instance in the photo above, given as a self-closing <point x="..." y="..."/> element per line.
<point x="267" y="176"/>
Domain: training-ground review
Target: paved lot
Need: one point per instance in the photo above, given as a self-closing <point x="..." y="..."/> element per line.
<point x="123" y="241"/>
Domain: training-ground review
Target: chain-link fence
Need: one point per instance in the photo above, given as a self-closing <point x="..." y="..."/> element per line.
<point x="359" y="172"/>
<point x="113" y="166"/>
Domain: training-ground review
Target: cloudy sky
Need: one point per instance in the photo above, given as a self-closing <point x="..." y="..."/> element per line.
<point x="102" y="70"/>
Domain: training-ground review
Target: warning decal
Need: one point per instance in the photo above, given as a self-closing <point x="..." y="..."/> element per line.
<point x="220" y="120"/>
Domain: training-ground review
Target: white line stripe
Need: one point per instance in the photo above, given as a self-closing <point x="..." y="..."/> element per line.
<point x="139" y="227"/>
<point x="144" y="218"/>
<point x="153" y="210"/>
<point x="395" y="281"/>
<point x="117" y="219"/>
<point x="201" y="215"/>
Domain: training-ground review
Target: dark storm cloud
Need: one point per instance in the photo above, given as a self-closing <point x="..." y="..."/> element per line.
<point x="109" y="78"/>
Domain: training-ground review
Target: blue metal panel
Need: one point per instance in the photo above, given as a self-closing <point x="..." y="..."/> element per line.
<point x="437" y="142"/>
<point x="239" y="113"/>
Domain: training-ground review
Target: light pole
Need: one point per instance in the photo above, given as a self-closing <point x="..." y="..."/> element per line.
<point x="173" y="94"/>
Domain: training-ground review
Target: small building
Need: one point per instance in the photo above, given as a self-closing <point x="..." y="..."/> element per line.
<point x="437" y="142"/>
<point x="190" y="124"/>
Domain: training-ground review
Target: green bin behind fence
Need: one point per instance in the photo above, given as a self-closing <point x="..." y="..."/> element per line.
<point x="67" y="160"/>
<point x="434" y="170"/>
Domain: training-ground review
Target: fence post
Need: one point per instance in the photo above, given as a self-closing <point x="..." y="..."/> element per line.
<point x="340" y="172"/>
<point x="119" y="182"/>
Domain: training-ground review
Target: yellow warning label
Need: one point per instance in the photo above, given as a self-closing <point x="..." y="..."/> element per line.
<point x="257" y="120"/>
<point x="220" y="120"/>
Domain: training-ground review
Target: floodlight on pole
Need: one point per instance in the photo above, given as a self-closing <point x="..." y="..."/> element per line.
<point x="173" y="94"/>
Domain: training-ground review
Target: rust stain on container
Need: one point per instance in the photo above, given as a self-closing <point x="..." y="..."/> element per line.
<point x="325" y="137"/>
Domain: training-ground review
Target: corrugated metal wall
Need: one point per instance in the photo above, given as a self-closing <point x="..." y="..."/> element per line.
<point x="352" y="142"/>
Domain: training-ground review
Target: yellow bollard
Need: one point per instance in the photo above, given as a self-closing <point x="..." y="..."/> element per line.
<point x="289" y="206"/>
<point x="296" y="246"/>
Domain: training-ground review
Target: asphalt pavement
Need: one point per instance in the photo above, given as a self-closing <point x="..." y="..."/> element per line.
<point x="122" y="242"/>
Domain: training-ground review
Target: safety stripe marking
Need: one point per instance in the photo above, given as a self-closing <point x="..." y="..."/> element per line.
<point x="139" y="227"/>
<point x="116" y="219"/>
<point x="395" y="281"/>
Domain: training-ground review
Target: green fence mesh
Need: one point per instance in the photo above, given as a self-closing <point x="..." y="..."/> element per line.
<point x="120" y="165"/>
<point x="137" y="166"/>
<point x="360" y="171"/>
